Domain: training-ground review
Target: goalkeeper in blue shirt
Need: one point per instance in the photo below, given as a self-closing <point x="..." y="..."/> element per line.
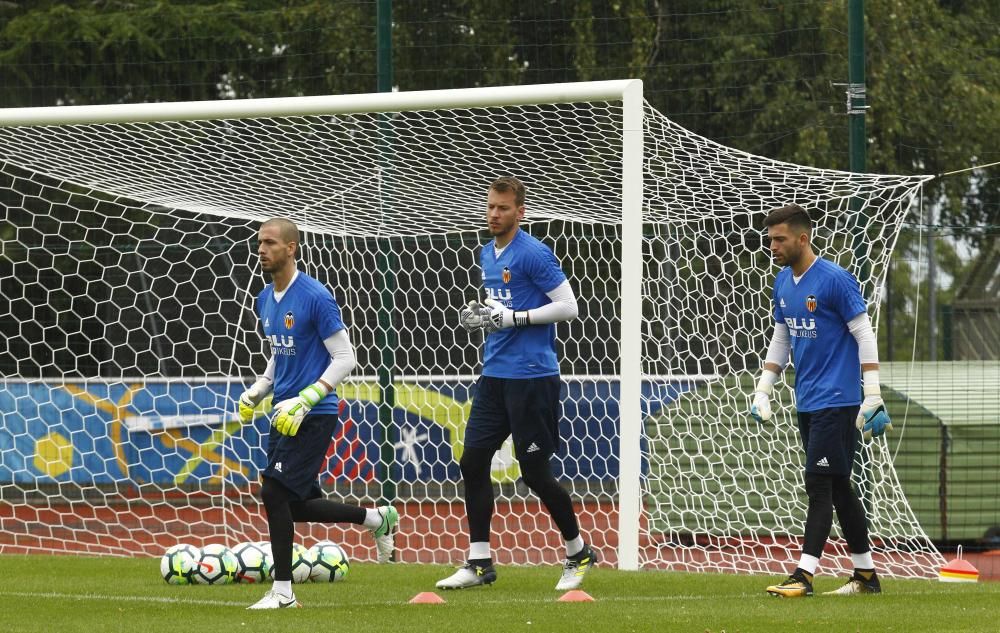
<point x="310" y="354"/>
<point x="821" y="318"/>
<point x="517" y="395"/>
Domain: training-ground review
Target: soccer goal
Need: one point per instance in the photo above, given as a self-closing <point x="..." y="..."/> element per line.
<point x="128" y="275"/>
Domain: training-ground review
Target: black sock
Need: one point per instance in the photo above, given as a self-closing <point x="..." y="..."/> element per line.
<point x="475" y="465"/>
<point x="851" y="515"/>
<point x="327" y="511"/>
<point x="537" y="474"/>
<point x="819" y="515"/>
<point x="280" y="525"/>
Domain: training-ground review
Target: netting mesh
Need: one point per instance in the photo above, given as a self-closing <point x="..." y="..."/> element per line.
<point x="129" y="270"/>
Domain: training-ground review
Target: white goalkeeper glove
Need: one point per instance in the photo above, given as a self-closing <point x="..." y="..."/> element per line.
<point x="470" y="316"/>
<point x="497" y="317"/>
<point x="288" y="414"/>
<point x="873" y="420"/>
<point x="250" y="398"/>
<point x="760" y="404"/>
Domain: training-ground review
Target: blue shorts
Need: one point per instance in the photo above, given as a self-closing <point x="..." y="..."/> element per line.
<point x="295" y="461"/>
<point x="830" y="439"/>
<point x="527" y="409"/>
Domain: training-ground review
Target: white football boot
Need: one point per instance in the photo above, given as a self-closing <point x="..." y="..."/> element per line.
<point x="274" y="600"/>
<point x="575" y="568"/>
<point x="469" y="575"/>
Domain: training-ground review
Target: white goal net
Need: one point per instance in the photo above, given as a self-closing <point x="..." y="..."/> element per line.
<point x="128" y="272"/>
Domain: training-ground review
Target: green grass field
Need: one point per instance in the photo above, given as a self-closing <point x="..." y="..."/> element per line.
<point x="67" y="593"/>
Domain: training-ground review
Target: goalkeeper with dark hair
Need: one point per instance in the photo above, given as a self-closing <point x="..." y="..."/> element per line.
<point x="310" y="354"/>
<point x="517" y="394"/>
<point x="821" y="318"/>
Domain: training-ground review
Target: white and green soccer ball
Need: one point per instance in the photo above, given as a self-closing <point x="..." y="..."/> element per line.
<point x="177" y="563"/>
<point x="252" y="563"/>
<point x="265" y="546"/>
<point x="301" y="563"/>
<point x="329" y="562"/>
<point x="216" y="565"/>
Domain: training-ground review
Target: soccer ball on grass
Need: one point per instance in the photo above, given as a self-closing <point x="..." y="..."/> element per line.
<point x="252" y="563"/>
<point x="216" y="565"/>
<point x="301" y="563"/>
<point x="329" y="562"/>
<point x="177" y="563"/>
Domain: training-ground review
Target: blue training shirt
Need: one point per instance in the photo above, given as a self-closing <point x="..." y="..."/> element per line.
<point x="296" y="327"/>
<point x="519" y="279"/>
<point x="816" y="311"/>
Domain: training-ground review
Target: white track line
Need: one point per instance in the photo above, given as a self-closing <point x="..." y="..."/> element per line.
<point x="387" y="603"/>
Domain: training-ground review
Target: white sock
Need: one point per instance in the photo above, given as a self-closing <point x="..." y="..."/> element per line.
<point x="372" y="518"/>
<point x="479" y="550"/>
<point x="284" y="587"/>
<point x="808" y="563"/>
<point x="863" y="561"/>
<point x="575" y="546"/>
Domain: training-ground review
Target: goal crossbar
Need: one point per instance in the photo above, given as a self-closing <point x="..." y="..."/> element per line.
<point x="611" y="90"/>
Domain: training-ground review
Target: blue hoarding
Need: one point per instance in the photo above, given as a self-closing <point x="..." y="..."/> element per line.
<point x="186" y="433"/>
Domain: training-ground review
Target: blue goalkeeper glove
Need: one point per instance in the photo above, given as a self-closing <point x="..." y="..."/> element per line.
<point x="288" y="414"/>
<point x="250" y="398"/>
<point x="873" y="420"/>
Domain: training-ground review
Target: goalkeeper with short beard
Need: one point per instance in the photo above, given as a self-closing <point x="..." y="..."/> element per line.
<point x="310" y="354"/>
<point x="518" y="393"/>
<point x="821" y="318"/>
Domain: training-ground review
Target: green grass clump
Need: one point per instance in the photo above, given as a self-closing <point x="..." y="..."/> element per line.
<point x="91" y="595"/>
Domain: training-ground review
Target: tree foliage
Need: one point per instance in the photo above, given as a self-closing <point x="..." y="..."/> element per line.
<point x="754" y="75"/>
<point x="757" y="76"/>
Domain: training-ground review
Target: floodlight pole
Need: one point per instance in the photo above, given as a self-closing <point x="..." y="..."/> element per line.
<point x="856" y="109"/>
<point x="387" y="263"/>
<point x="856" y="83"/>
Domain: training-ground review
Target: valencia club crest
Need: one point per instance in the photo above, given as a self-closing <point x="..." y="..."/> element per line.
<point x="289" y="320"/>
<point x="506" y="275"/>
<point x="811" y="303"/>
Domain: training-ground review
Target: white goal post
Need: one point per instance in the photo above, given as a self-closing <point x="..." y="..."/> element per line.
<point x="130" y="225"/>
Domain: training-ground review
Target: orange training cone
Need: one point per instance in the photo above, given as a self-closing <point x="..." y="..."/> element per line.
<point x="958" y="570"/>
<point x="427" y="597"/>
<point x="576" y="595"/>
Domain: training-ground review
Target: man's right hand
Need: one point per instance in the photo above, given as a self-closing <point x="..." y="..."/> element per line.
<point x="760" y="403"/>
<point x="250" y="398"/>
<point x="760" y="407"/>
<point x="470" y="316"/>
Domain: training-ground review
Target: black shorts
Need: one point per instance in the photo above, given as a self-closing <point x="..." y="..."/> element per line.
<point x="295" y="461"/>
<point x="526" y="408"/>
<point x="830" y="439"/>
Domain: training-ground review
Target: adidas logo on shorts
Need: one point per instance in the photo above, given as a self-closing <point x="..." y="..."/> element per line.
<point x="823" y="462"/>
<point x="533" y="448"/>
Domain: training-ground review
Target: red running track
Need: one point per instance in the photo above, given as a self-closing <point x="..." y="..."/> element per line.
<point x="431" y="532"/>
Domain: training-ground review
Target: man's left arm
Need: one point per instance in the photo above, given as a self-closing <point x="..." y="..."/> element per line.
<point x="873" y="420"/>
<point x="563" y="307"/>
